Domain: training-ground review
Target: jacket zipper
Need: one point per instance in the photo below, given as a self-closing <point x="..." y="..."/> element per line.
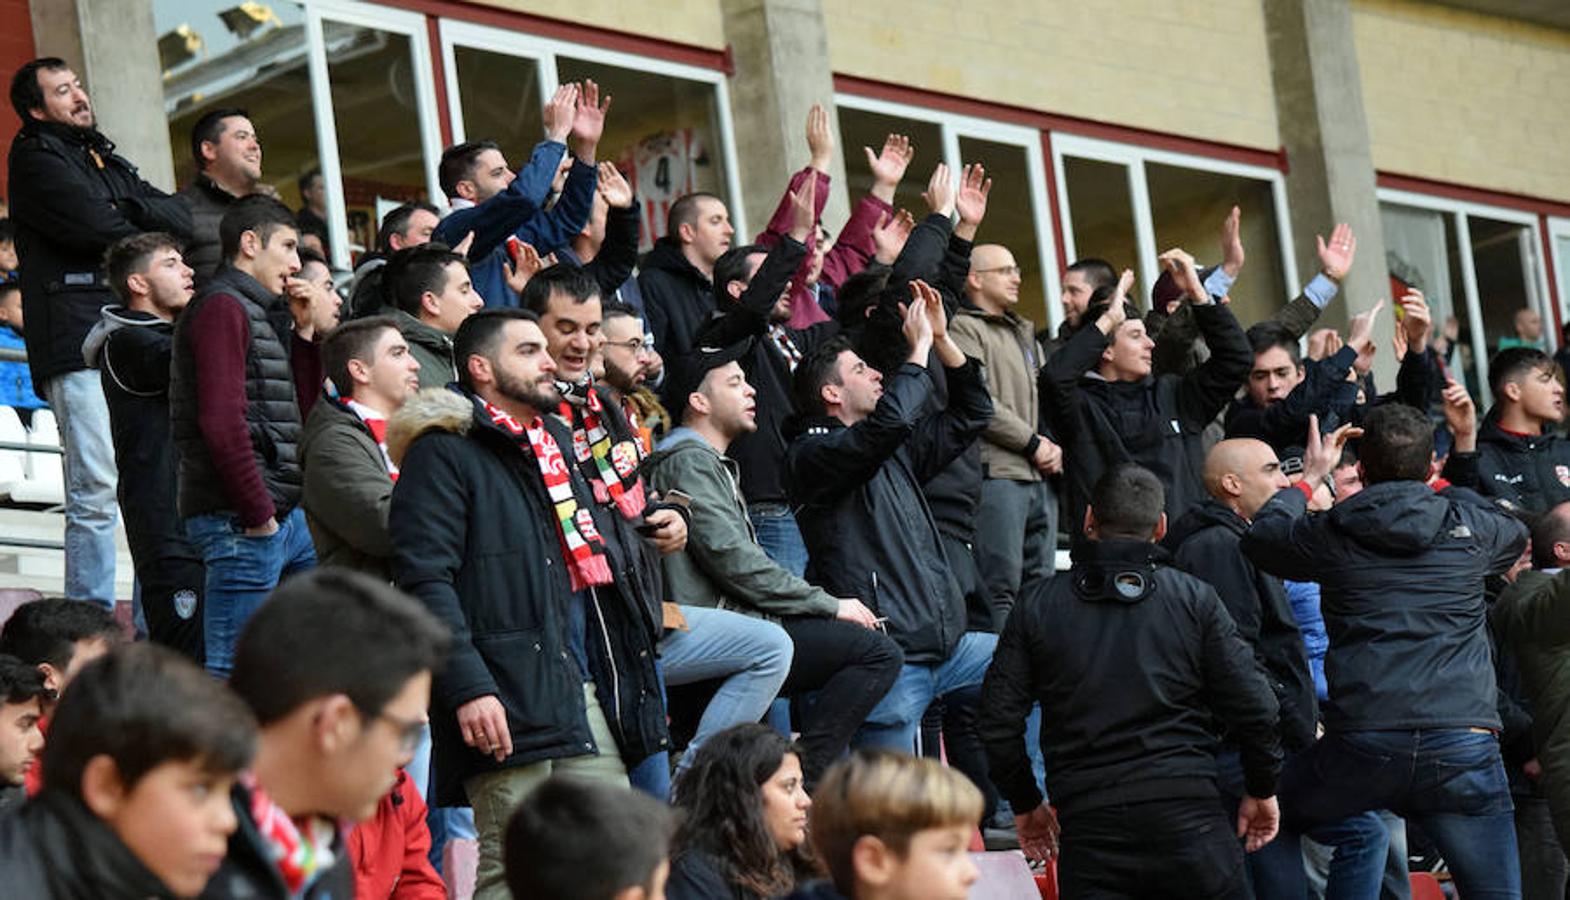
<point x="610" y="657"/>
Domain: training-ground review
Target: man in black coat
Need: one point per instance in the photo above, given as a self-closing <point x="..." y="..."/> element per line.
<point x="676" y="277"/>
<point x="130" y="348"/>
<point x="71" y="197"/>
<point x="1241" y="475"/>
<point x="552" y="665"/>
<point x="857" y="469"/>
<point x="1132" y="662"/>
<point x="1411" y="724"/>
<point x="1520" y="460"/>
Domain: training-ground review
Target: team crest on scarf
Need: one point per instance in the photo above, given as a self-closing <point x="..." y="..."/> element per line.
<point x="1563" y="474"/>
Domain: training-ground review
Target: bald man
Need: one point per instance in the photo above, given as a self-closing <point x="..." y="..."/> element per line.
<point x="1240" y="475"/>
<point x="1016" y="533"/>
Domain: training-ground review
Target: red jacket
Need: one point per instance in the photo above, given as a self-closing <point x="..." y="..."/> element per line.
<point x="391" y="850"/>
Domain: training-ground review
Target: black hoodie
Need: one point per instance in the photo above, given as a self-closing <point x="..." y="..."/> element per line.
<point x="677" y="298"/>
<point x="1401" y="571"/>
<point x="1132" y="662"/>
<point x="1206" y="543"/>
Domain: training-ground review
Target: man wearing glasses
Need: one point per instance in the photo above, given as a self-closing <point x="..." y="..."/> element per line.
<point x="629" y="365"/>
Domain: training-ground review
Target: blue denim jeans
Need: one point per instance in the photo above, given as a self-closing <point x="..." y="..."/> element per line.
<point x="1450" y="781"/>
<point x="241" y="572"/>
<point x="653" y="775"/>
<point x="893" y="723"/>
<point x="91" y="513"/>
<point x="752" y="655"/>
<point x="778" y="535"/>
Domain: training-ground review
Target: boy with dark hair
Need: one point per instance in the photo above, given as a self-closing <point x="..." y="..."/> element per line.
<point x="131" y="347"/>
<point x="59" y="637"/>
<point x="23" y="694"/>
<point x="575" y="839"/>
<point x="245" y="367"/>
<point x="1521" y="460"/>
<point x="8" y="258"/>
<point x="336" y="666"/>
<point x="140" y="762"/>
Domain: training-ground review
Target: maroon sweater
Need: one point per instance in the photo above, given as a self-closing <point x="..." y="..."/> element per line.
<point x="220" y="333"/>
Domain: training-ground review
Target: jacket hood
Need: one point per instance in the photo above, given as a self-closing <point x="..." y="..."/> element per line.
<point x="1115" y="570"/>
<point x="413" y="329"/>
<point x="681" y="440"/>
<point x="1400" y="518"/>
<point x="433" y="409"/>
<point x="666" y="254"/>
<point x="110" y="320"/>
<point x="1211" y="513"/>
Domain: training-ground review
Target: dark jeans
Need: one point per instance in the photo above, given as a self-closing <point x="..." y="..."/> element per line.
<point x="850" y="668"/>
<point x="172" y="588"/>
<point x="1451" y="782"/>
<point x="1156" y="850"/>
<point x="1359" y="843"/>
<point x="1016" y="539"/>
<point x="1543" y="866"/>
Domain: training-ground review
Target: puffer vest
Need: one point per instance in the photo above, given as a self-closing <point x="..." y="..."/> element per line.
<point x="272" y="412"/>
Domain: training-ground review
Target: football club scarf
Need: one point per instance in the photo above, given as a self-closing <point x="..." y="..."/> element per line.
<point x="582" y="547"/>
<point x="299" y="855"/>
<point x="377" y="423"/>
<point x="615" y="475"/>
<point x="782" y="339"/>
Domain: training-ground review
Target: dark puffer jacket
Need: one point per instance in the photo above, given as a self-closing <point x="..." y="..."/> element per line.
<point x="1207" y="543"/>
<point x="869" y="531"/>
<point x="71" y="197"/>
<point x="1401" y="571"/>
<point x="1523" y="471"/>
<point x="207" y="202"/>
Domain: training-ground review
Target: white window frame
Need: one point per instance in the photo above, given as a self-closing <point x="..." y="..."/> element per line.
<point x="1559" y="230"/>
<point x="381" y="18"/>
<point x="1133" y="158"/>
<point x="1536" y="286"/>
<point x="953" y="127"/>
<point x="543" y="52"/>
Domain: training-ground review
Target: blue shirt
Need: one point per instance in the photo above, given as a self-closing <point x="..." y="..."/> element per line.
<point x="16" y="383"/>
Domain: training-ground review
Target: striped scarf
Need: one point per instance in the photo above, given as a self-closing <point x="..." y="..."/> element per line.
<point x="299" y="857"/>
<point x="582" y="547"/>
<point x="780" y="335"/>
<point x="615" y="473"/>
<point x="377" y="423"/>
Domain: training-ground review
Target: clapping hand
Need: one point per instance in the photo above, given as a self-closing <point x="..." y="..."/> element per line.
<point x="804" y="209"/>
<point x="888" y="167"/>
<point x="940" y="191"/>
<point x="1416" y="321"/>
<point x="524" y="264"/>
<point x="890" y="234"/>
<point x="559" y="112"/>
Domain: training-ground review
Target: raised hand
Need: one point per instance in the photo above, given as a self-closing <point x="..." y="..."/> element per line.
<point x="1322" y="454"/>
<point x="917" y="327"/>
<point x="613" y="187"/>
<point x="940" y="191"/>
<point x="888" y="168"/>
<point x="1460" y="415"/>
<point x="971" y="202"/>
<point x="559" y="112"/>
<point x="1232" y="242"/>
<point x="1335" y="258"/>
<point x="1360" y="336"/>
<point x="890" y="234"/>
<point x="932" y="305"/>
<point x="820" y="138"/>
<point x="804" y="209"/>
<point x="1184" y="274"/>
<point x="1417" y="322"/>
<point x="1117" y="307"/>
<point x="525" y="264"/>
<point x="588" y="121"/>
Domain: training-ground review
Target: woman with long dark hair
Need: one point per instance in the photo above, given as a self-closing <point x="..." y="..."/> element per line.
<point x="743" y="830"/>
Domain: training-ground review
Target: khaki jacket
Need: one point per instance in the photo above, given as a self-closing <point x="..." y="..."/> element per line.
<point x="1006" y="345"/>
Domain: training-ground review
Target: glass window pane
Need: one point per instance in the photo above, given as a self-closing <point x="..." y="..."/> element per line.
<point x="1187" y="207"/>
<point x="1421" y="252"/>
<point x="1501" y="256"/>
<point x="663" y="131"/>
<point x="1011" y="217"/>
<point x="376" y="112"/>
<point x="860" y="129"/>
<point x="500" y="96"/>
<point x="257" y="64"/>
<point x="1102" y="214"/>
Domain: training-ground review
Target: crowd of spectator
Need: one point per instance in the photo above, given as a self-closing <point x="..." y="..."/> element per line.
<point x="675" y="575"/>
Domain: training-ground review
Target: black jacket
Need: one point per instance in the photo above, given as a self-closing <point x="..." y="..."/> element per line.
<point x="1130" y="685"/>
<point x="698" y="875"/>
<point x="249" y="871"/>
<point x="474" y="538"/>
<point x="1526" y="472"/>
<point x="761" y="454"/>
<point x="207" y="202"/>
<point x="1158" y="422"/>
<point x="71" y="197"/>
<point x="131" y="350"/>
<point x="677" y="298"/>
<point x="868" y="529"/>
<point x="54" y="848"/>
<point x="1401" y="571"/>
<point x="1206" y="543"/>
<point x="1284" y="424"/>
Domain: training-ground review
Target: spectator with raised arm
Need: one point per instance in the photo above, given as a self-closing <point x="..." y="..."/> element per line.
<point x="71" y="197"/>
<point x="1519" y="459"/>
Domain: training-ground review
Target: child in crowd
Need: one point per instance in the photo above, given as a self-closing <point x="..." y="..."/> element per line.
<point x="575" y="839"/>
<point x="22" y="696"/>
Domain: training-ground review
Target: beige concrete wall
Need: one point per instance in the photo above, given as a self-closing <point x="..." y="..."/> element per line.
<point x="1466" y="98"/>
<point x="685" y="21"/>
<point x="1146" y="63"/>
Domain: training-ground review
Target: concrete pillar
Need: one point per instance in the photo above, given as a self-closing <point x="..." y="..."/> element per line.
<point x="114" y="49"/>
<point x="1319" y="102"/>
<point x="781" y="50"/>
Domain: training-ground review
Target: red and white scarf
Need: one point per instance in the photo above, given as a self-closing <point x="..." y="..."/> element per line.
<point x="615" y="473"/>
<point x="582" y="547"/>
<point x="780" y="335"/>
<point x="377" y="423"/>
<point x="299" y="855"/>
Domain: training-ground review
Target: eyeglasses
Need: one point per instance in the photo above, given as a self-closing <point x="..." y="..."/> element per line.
<point x="632" y="345"/>
<point x="409" y="730"/>
<point x="1006" y="270"/>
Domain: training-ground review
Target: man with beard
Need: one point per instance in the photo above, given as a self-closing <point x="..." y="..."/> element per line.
<point x="71" y="197"/>
<point x="626" y="362"/>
